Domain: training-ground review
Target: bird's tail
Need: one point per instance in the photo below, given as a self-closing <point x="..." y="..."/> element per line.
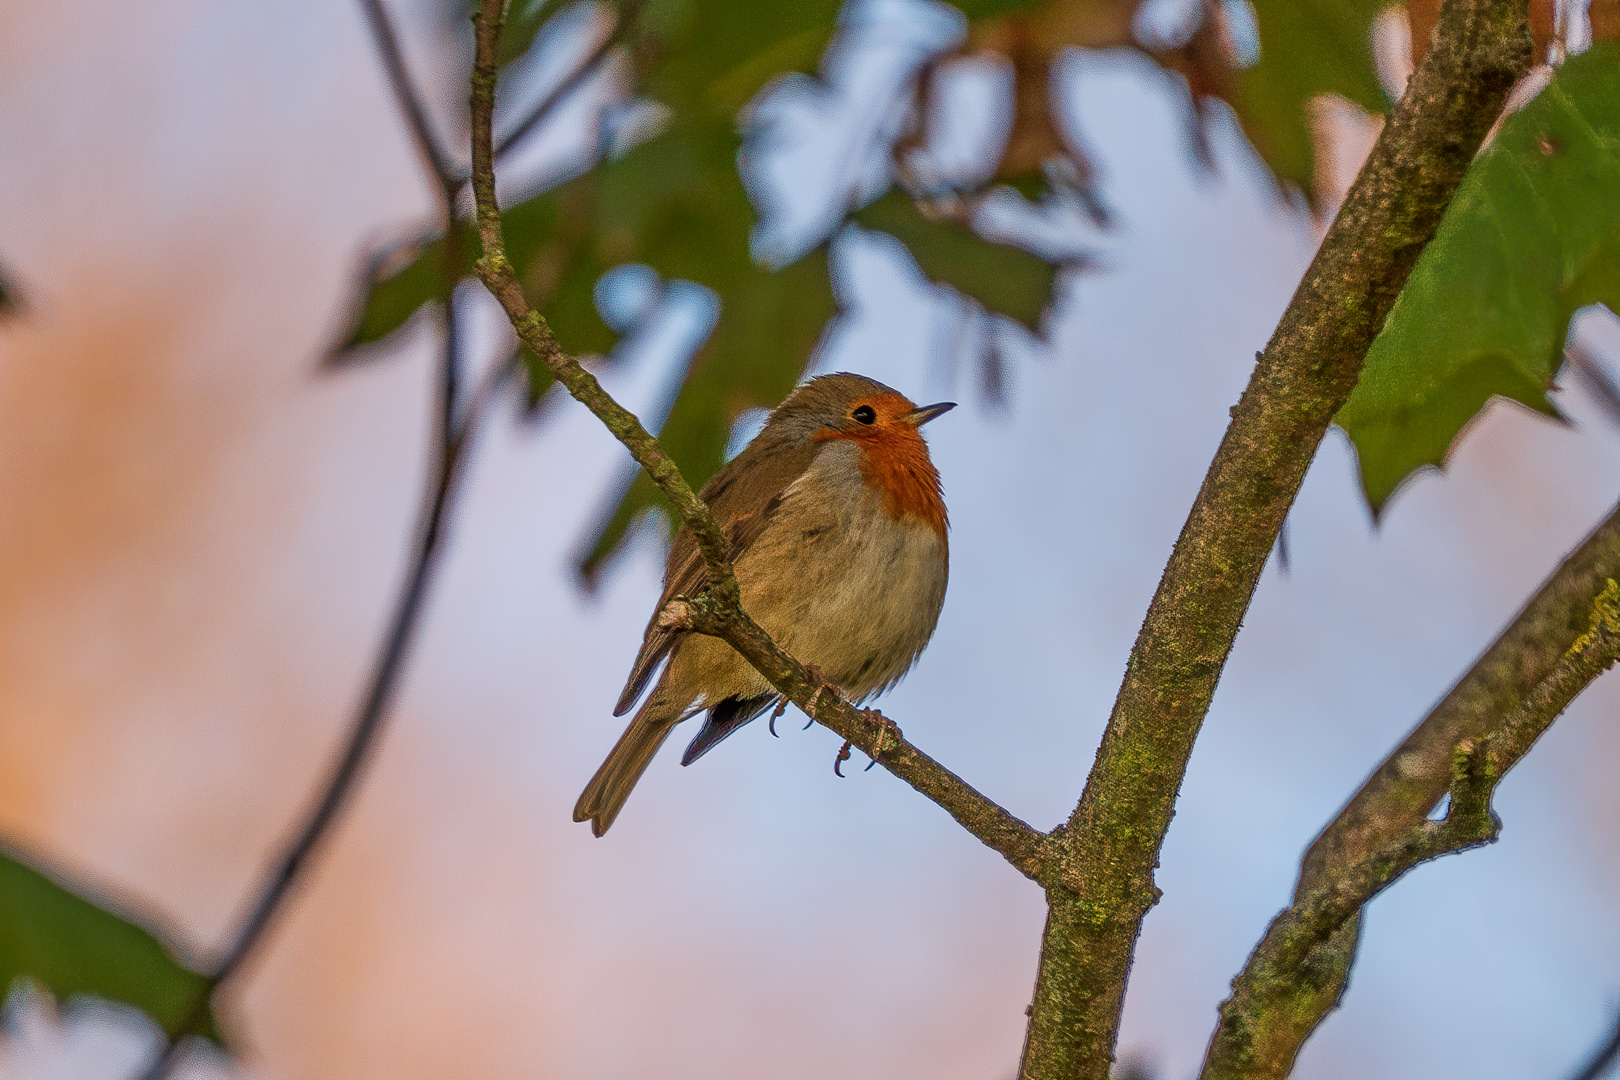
<point x="604" y="796"/>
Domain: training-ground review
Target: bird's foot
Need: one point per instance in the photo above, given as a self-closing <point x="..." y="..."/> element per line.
<point x="888" y="735"/>
<point x="776" y="713"/>
<point x="843" y="756"/>
<point x="822" y="686"/>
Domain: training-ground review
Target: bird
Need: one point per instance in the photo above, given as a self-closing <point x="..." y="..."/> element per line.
<point x="836" y="524"/>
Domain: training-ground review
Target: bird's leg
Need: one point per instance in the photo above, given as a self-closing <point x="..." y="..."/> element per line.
<point x="819" y="681"/>
<point x="821" y="686"/>
<point x="888" y="734"/>
<point x="781" y="707"/>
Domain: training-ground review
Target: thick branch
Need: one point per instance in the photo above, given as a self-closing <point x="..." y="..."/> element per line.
<point x="1242" y="1047"/>
<point x="717" y="609"/>
<point x="1302" y="378"/>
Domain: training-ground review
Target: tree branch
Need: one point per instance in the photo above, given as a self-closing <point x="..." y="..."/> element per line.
<point x="1112" y="840"/>
<point x="1406" y="787"/>
<point x="449" y="444"/>
<point x="1241" y="1048"/>
<point x="1603" y="1058"/>
<point x="716" y="609"/>
<point x="405" y="96"/>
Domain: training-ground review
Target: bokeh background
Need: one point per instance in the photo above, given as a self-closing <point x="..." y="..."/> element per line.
<point x="202" y="531"/>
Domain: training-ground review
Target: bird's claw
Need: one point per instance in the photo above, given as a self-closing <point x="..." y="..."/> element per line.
<point x="781" y="707"/>
<point x="889" y="736"/>
<point x="821" y="687"/>
<point x="819" y="680"/>
<point x="843" y="756"/>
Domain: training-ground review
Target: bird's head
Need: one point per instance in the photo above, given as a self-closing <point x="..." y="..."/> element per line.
<point x="853" y="407"/>
<point x="883" y="424"/>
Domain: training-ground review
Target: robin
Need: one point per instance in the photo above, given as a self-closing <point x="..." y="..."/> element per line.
<point x="837" y="531"/>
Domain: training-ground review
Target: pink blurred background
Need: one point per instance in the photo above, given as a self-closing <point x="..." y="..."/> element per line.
<point x="202" y="533"/>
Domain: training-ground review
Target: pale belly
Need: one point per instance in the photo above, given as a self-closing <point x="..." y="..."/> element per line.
<point x="843" y="585"/>
<point x="837" y="581"/>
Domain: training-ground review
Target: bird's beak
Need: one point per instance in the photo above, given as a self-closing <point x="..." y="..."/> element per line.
<point x="919" y="417"/>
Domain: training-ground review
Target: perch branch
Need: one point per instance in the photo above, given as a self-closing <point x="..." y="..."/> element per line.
<point x="716" y="609"/>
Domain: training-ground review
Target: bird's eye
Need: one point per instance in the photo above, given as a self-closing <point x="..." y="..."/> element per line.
<point x="865" y="415"/>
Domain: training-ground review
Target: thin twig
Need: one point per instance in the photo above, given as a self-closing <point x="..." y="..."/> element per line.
<point x="449" y="180"/>
<point x="1604" y="1057"/>
<point x="447" y="456"/>
<point x="1269" y="980"/>
<point x="625" y="19"/>
<point x="716" y="609"/>
<point x="1410" y="782"/>
<point x="404" y="93"/>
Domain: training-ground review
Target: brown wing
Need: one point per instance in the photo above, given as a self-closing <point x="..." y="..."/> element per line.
<point x="742" y="495"/>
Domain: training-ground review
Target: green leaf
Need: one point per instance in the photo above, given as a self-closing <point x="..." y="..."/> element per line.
<point x="73" y="946"/>
<point x="1532" y="236"/>
<point x="1007" y="280"/>
<point x="524" y="18"/>
<point x="398" y="284"/>
<point x="720" y="53"/>
<point x="1307" y="48"/>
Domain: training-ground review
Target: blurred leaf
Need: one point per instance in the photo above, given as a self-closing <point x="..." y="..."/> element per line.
<point x="1307" y="48"/>
<point x="1532" y="236"/>
<point x="1421" y="18"/>
<point x="1007" y="280"/>
<point x="1031" y="185"/>
<point x="717" y="54"/>
<point x="72" y="946"/>
<point x="1605" y="20"/>
<point x="524" y="18"/>
<point x="395" y="292"/>
<point x="1030" y="36"/>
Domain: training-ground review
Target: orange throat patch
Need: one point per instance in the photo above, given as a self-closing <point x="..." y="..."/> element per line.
<point x="895" y="461"/>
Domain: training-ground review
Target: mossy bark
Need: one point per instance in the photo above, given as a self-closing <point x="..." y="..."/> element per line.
<point x="1111" y="844"/>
